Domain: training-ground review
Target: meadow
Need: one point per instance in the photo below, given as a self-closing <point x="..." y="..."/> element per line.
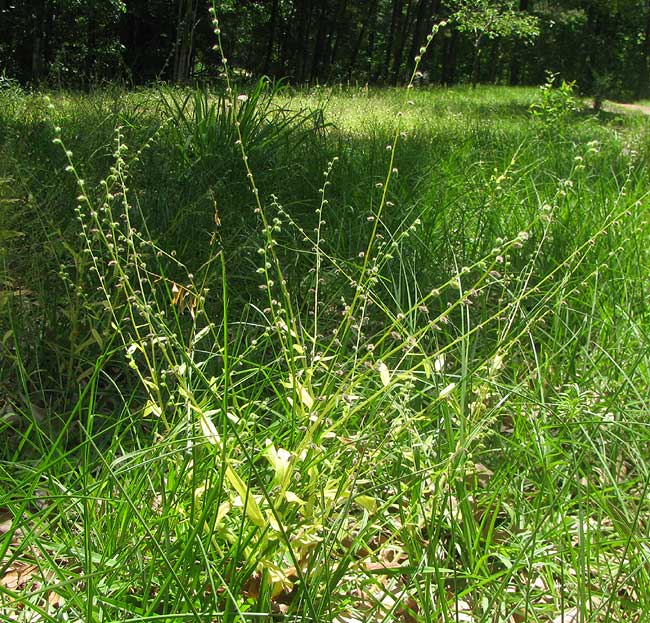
<point x="335" y="354"/>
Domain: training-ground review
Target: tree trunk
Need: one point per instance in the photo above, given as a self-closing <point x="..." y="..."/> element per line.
<point x="359" y="40"/>
<point x="476" y="63"/>
<point x="336" y="33"/>
<point x="494" y="61"/>
<point x="420" y="27"/>
<point x="370" y="75"/>
<point x="401" y="43"/>
<point x="286" y="43"/>
<point x="450" y="58"/>
<point x="302" y="39"/>
<point x="185" y="25"/>
<point x="90" y="69"/>
<point x="515" y="61"/>
<point x="396" y="14"/>
<point x="271" y="42"/>
<point x="319" y="45"/>
<point x="38" y="36"/>
<point x="643" y="89"/>
<point x="591" y="58"/>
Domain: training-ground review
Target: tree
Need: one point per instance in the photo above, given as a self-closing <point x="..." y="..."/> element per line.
<point x="643" y="89"/>
<point x="604" y="45"/>
<point x="72" y="42"/>
<point x="515" y="66"/>
<point x="491" y="19"/>
<point x="184" y="49"/>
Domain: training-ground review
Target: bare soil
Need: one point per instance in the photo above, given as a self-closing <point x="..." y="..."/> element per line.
<point x="617" y="106"/>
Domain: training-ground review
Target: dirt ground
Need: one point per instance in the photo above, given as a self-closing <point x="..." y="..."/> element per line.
<point x="617" y="107"/>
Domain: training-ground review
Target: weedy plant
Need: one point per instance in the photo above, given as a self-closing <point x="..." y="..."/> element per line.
<point x="356" y="444"/>
<point x="556" y="102"/>
<point x="208" y="126"/>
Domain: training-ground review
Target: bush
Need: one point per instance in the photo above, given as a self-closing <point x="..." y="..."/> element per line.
<point x="555" y="104"/>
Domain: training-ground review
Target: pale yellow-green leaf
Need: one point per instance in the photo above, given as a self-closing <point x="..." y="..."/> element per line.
<point x="280" y="581"/>
<point x="291" y="497"/>
<point x="180" y="370"/>
<point x="367" y="502"/>
<point x="131" y="348"/>
<point x="201" y="334"/>
<point x="305" y="397"/>
<point x="384" y="374"/>
<point x="246" y="498"/>
<point x="445" y="392"/>
<point x="151" y="408"/>
<point x="209" y="430"/>
<point x="496" y="364"/>
<point x="301" y="390"/>
<point x="224" y="509"/>
<point x="428" y="371"/>
<point x="252" y="510"/>
<point x="280" y="460"/>
<point x="274" y="523"/>
<point x="187" y="395"/>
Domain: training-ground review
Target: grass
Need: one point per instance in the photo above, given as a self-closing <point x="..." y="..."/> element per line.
<point x="334" y="363"/>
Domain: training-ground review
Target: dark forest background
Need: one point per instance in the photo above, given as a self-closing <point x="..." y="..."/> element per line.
<point x="604" y="45"/>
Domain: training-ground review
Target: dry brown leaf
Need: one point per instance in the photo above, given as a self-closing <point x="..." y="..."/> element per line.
<point x="623" y="468"/>
<point x="409" y="611"/>
<point x="54" y="599"/>
<point x="392" y="555"/>
<point x="251" y="588"/>
<point x="279" y="608"/>
<point x="483" y="474"/>
<point x="568" y="616"/>
<point x="18" y="575"/>
<point x="379" y="566"/>
<point x="463" y="612"/>
<point x="507" y="425"/>
<point x="6" y="519"/>
<point x="346" y="618"/>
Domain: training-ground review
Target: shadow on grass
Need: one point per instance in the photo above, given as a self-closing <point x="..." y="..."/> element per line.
<point x="446" y="176"/>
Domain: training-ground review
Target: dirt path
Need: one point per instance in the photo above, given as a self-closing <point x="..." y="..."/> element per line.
<point x="617" y="106"/>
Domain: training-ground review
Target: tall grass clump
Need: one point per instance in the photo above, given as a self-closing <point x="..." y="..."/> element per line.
<point x="429" y="407"/>
<point x="205" y="126"/>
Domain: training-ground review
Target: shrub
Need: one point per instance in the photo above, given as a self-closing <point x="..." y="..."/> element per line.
<point x="556" y="102"/>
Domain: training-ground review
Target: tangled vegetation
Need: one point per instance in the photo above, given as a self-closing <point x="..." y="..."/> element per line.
<point x="326" y="355"/>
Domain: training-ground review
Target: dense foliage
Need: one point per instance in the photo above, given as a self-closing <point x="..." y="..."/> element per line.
<point x="602" y="44"/>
